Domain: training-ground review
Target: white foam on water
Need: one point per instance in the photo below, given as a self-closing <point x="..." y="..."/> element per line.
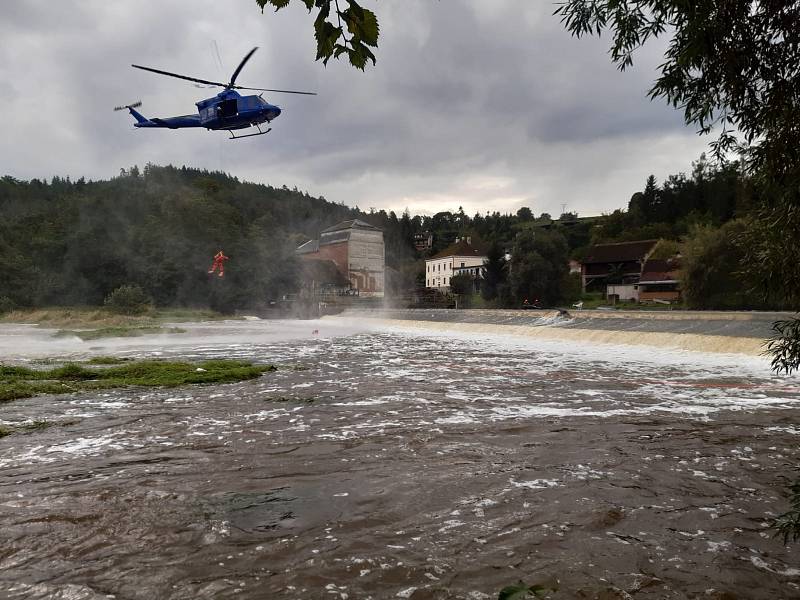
<point x="790" y="430"/>
<point x="78" y="447"/>
<point x="628" y="354"/>
<point x="536" y="484"/>
<point x="20" y="341"/>
<point x="762" y="564"/>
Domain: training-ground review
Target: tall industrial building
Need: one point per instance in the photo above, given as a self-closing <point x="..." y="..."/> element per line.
<point x="357" y="250"/>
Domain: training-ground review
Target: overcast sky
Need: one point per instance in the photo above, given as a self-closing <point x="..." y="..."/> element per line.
<point x="485" y="104"/>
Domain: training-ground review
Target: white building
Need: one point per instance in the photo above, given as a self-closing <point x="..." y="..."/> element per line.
<point x="461" y="257"/>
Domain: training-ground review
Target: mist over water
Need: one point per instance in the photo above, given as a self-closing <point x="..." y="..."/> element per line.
<point x="400" y="462"/>
<point x="24" y="342"/>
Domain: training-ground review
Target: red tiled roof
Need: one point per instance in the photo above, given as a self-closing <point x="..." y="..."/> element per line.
<point x="659" y="270"/>
<point x="619" y="252"/>
<point x="461" y="248"/>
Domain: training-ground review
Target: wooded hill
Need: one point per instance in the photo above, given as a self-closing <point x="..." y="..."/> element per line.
<point x="68" y="242"/>
<point x="72" y="243"/>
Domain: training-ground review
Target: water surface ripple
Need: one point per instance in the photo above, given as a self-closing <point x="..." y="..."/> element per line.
<point x="402" y="464"/>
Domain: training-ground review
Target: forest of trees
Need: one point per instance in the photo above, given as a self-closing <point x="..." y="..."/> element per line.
<point x="707" y="215"/>
<point x="68" y="242"/>
<point x="72" y="243"/>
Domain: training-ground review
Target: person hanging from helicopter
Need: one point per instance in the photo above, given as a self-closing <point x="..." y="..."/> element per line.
<point x="219" y="263"/>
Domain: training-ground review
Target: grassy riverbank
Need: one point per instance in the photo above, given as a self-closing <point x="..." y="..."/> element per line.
<point x="97" y="316"/>
<point x="108" y="372"/>
<point x="91" y="323"/>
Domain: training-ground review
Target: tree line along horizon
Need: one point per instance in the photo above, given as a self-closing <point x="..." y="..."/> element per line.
<point x="67" y="243"/>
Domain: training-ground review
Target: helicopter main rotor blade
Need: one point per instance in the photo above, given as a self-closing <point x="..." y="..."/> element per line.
<point x="195" y="79"/>
<point x="240" y="87"/>
<point x="240" y="67"/>
<point x="230" y="85"/>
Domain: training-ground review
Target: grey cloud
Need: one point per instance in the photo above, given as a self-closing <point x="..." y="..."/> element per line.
<point x="463" y="94"/>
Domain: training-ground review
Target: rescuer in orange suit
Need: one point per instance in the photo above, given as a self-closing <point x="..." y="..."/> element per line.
<point x="219" y="263"/>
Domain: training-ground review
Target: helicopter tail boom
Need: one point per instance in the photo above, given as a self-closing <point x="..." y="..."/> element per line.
<point x="167" y="123"/>
<point x="137" y="115"/>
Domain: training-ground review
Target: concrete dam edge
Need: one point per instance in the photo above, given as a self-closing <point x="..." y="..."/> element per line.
<point x="715" y="332"/>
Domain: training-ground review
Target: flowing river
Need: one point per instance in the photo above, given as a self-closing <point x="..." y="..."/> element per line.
<point x="400" y="462"/>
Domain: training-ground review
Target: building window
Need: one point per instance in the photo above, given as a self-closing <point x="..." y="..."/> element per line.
<point x="462" y="264"/>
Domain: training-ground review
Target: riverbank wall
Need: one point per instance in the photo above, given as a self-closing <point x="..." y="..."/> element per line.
<point x="713" y="331"/>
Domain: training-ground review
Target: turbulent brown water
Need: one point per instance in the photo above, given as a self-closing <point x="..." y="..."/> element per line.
<point x="402" y="464"/>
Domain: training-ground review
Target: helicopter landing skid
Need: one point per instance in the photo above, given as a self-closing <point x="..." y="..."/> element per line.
<point x="238" y="137"/>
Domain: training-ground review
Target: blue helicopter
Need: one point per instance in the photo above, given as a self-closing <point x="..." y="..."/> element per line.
<point x="228" y="110"/>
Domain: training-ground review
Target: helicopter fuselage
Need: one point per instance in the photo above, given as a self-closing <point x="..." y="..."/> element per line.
<point x="227" y="111"/>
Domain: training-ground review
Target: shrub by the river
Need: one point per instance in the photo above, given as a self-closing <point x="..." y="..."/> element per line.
<point x="128" y="300"/>
<point x="6" y="305"/>
<point x="788" y="524"/>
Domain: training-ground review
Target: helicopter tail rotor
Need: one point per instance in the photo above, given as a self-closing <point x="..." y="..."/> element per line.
<point x="129" y="106"/>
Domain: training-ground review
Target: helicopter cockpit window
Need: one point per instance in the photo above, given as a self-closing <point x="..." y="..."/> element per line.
<point x="227" y="108"/>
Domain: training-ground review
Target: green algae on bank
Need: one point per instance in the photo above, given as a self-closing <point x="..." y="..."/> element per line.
<point x="107" y="360"/>
<point x="22" y="382"/>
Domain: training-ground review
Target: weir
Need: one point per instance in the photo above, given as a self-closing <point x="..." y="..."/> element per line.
<point x="713" y="331"/>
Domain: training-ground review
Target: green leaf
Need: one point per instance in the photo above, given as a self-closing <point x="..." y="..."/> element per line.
<point x="278" y="4"/>
<point x="360" y="23"/>
<point x="369" y="28"/>
<point x="326" y="35"/>
<point x="357" y="58"/>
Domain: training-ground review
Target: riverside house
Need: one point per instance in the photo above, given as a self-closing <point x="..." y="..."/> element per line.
<point x="616" y="269"/>
<point x="461" y="257"/>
